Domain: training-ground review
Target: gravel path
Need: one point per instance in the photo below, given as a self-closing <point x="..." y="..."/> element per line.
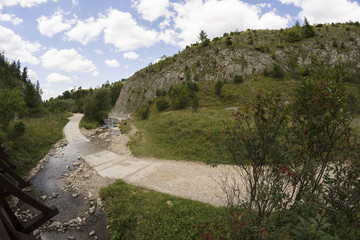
<point x="192" y="180"/>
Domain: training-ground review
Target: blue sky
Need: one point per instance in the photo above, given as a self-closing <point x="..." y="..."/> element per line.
<point x="71" y="43"/>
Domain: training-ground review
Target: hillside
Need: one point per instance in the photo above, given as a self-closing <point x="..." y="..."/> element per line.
<point x="244" y="54"/>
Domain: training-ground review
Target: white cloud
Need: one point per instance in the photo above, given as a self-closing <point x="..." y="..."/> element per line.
<point x="98" y="51"/>
<point x="169" y="36"/>
<point x="86" y="31"/>
<point x="119" y="28"/>
<point x="112" y="63"/>
<point x="95" y="74"/>
<point x="10" y="18"/>
<point x="75" y="2"/>
<point x="32" y="75"/>
<point x="217" y="17"/>
<point x="54" y="24"/>
<point x="164" y="23"/>
<point x="130" y="55"/>
<point x="58" y="78"/>
<point x="151" y="10"/>
<point x="49" y="93"/>
<point x="325" y="11"/>
<point x="16" y="48"/>
<point x="68" y="60"/>
<point x="22" y="3"/>
<point x="125" y="34"/>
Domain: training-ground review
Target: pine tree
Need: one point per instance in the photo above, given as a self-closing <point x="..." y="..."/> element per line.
<point x="308" y="30"/>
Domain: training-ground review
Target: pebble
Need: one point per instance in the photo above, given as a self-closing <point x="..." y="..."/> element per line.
<point x="27" y="189"/>
<point x="71" y="238"/>
<point x="170" y="203"/>
<point x="74" y="195"/>
<point x="92" y="210"/>
<point x="43" y="197"/>
<point x="92" y="233"/>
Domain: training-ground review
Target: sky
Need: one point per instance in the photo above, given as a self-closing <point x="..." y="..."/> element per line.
<point x="67" y="44"/>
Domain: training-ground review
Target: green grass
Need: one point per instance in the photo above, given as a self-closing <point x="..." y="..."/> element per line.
<point x="88" y="124"/>
<point x="39" y="136"/>
<point x="137" y="213"/>
<point x="185" y="135"/>
<point x="181" y="135"/>
<point x="124" y="128"/>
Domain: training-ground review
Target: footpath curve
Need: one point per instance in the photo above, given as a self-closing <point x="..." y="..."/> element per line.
<point x="192" y="180"/>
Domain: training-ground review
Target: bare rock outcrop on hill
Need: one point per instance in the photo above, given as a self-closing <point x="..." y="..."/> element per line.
<point x="221" y="60"/>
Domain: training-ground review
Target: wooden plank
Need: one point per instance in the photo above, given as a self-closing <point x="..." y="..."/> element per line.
<point x="5" y="158"/>
<point x="16" y="177"/>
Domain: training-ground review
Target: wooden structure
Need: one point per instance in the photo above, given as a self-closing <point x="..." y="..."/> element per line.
<point x="12" y="184"/>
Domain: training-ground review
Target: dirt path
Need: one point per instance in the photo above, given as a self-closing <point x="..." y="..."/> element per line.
<point x="192" y="180"/>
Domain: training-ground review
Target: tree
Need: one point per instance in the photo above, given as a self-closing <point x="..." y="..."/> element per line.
<point x="115" y="92"/>
<point x="11" y="103"/>
<point x="205" y="41"/>
<point x="24" y="76"/>
<point x="307" y="29"/>
<point x="97" y="105"/>
<point x="32" y="98"/>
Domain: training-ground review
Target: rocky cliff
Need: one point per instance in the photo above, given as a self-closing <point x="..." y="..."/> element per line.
<point x="244" y="54"/>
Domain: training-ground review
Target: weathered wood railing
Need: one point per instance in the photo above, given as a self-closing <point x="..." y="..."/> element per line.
<point x="12" y="184"/>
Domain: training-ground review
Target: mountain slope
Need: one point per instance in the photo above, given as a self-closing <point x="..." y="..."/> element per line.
<point x="244" y="54"/>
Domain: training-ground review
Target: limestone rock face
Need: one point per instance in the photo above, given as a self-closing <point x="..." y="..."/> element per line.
<point x="221" y="62"/>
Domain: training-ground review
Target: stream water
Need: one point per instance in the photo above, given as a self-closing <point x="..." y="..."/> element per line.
<point x="50" y="182"/>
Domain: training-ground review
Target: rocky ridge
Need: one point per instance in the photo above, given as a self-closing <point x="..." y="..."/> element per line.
<point x="221" y="60"/>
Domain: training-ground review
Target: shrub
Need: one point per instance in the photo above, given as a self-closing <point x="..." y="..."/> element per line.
<point x="299" y="162"/>
<point x="262" y="48"/>
<point x="192" y="86"/>
<point x="158" y="93"/>
<point x="195" y="105"/>
<point x="144" y="112"/>
<point x="218" y="86"/>
<point x="238" y="79"/>
<point x="179" y="96"/>
<point x="293" y="35"/>
<point x="352" y="103"/>
<point x="335" y="44"/>
<point x="161" y="104"/>
<point x="228" y="41"/>
<point x="16" y="131"/>
<point x="277" y="71"/>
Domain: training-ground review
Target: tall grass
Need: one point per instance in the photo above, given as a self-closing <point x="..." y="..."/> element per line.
<point x="181" y="135"/>
<point x="39" y="136"/>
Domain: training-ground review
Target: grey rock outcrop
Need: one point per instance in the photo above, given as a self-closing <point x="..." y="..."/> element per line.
<point x="219" y="62"/>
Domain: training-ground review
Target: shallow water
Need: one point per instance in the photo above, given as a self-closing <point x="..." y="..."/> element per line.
<point x="48" y="181"/>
